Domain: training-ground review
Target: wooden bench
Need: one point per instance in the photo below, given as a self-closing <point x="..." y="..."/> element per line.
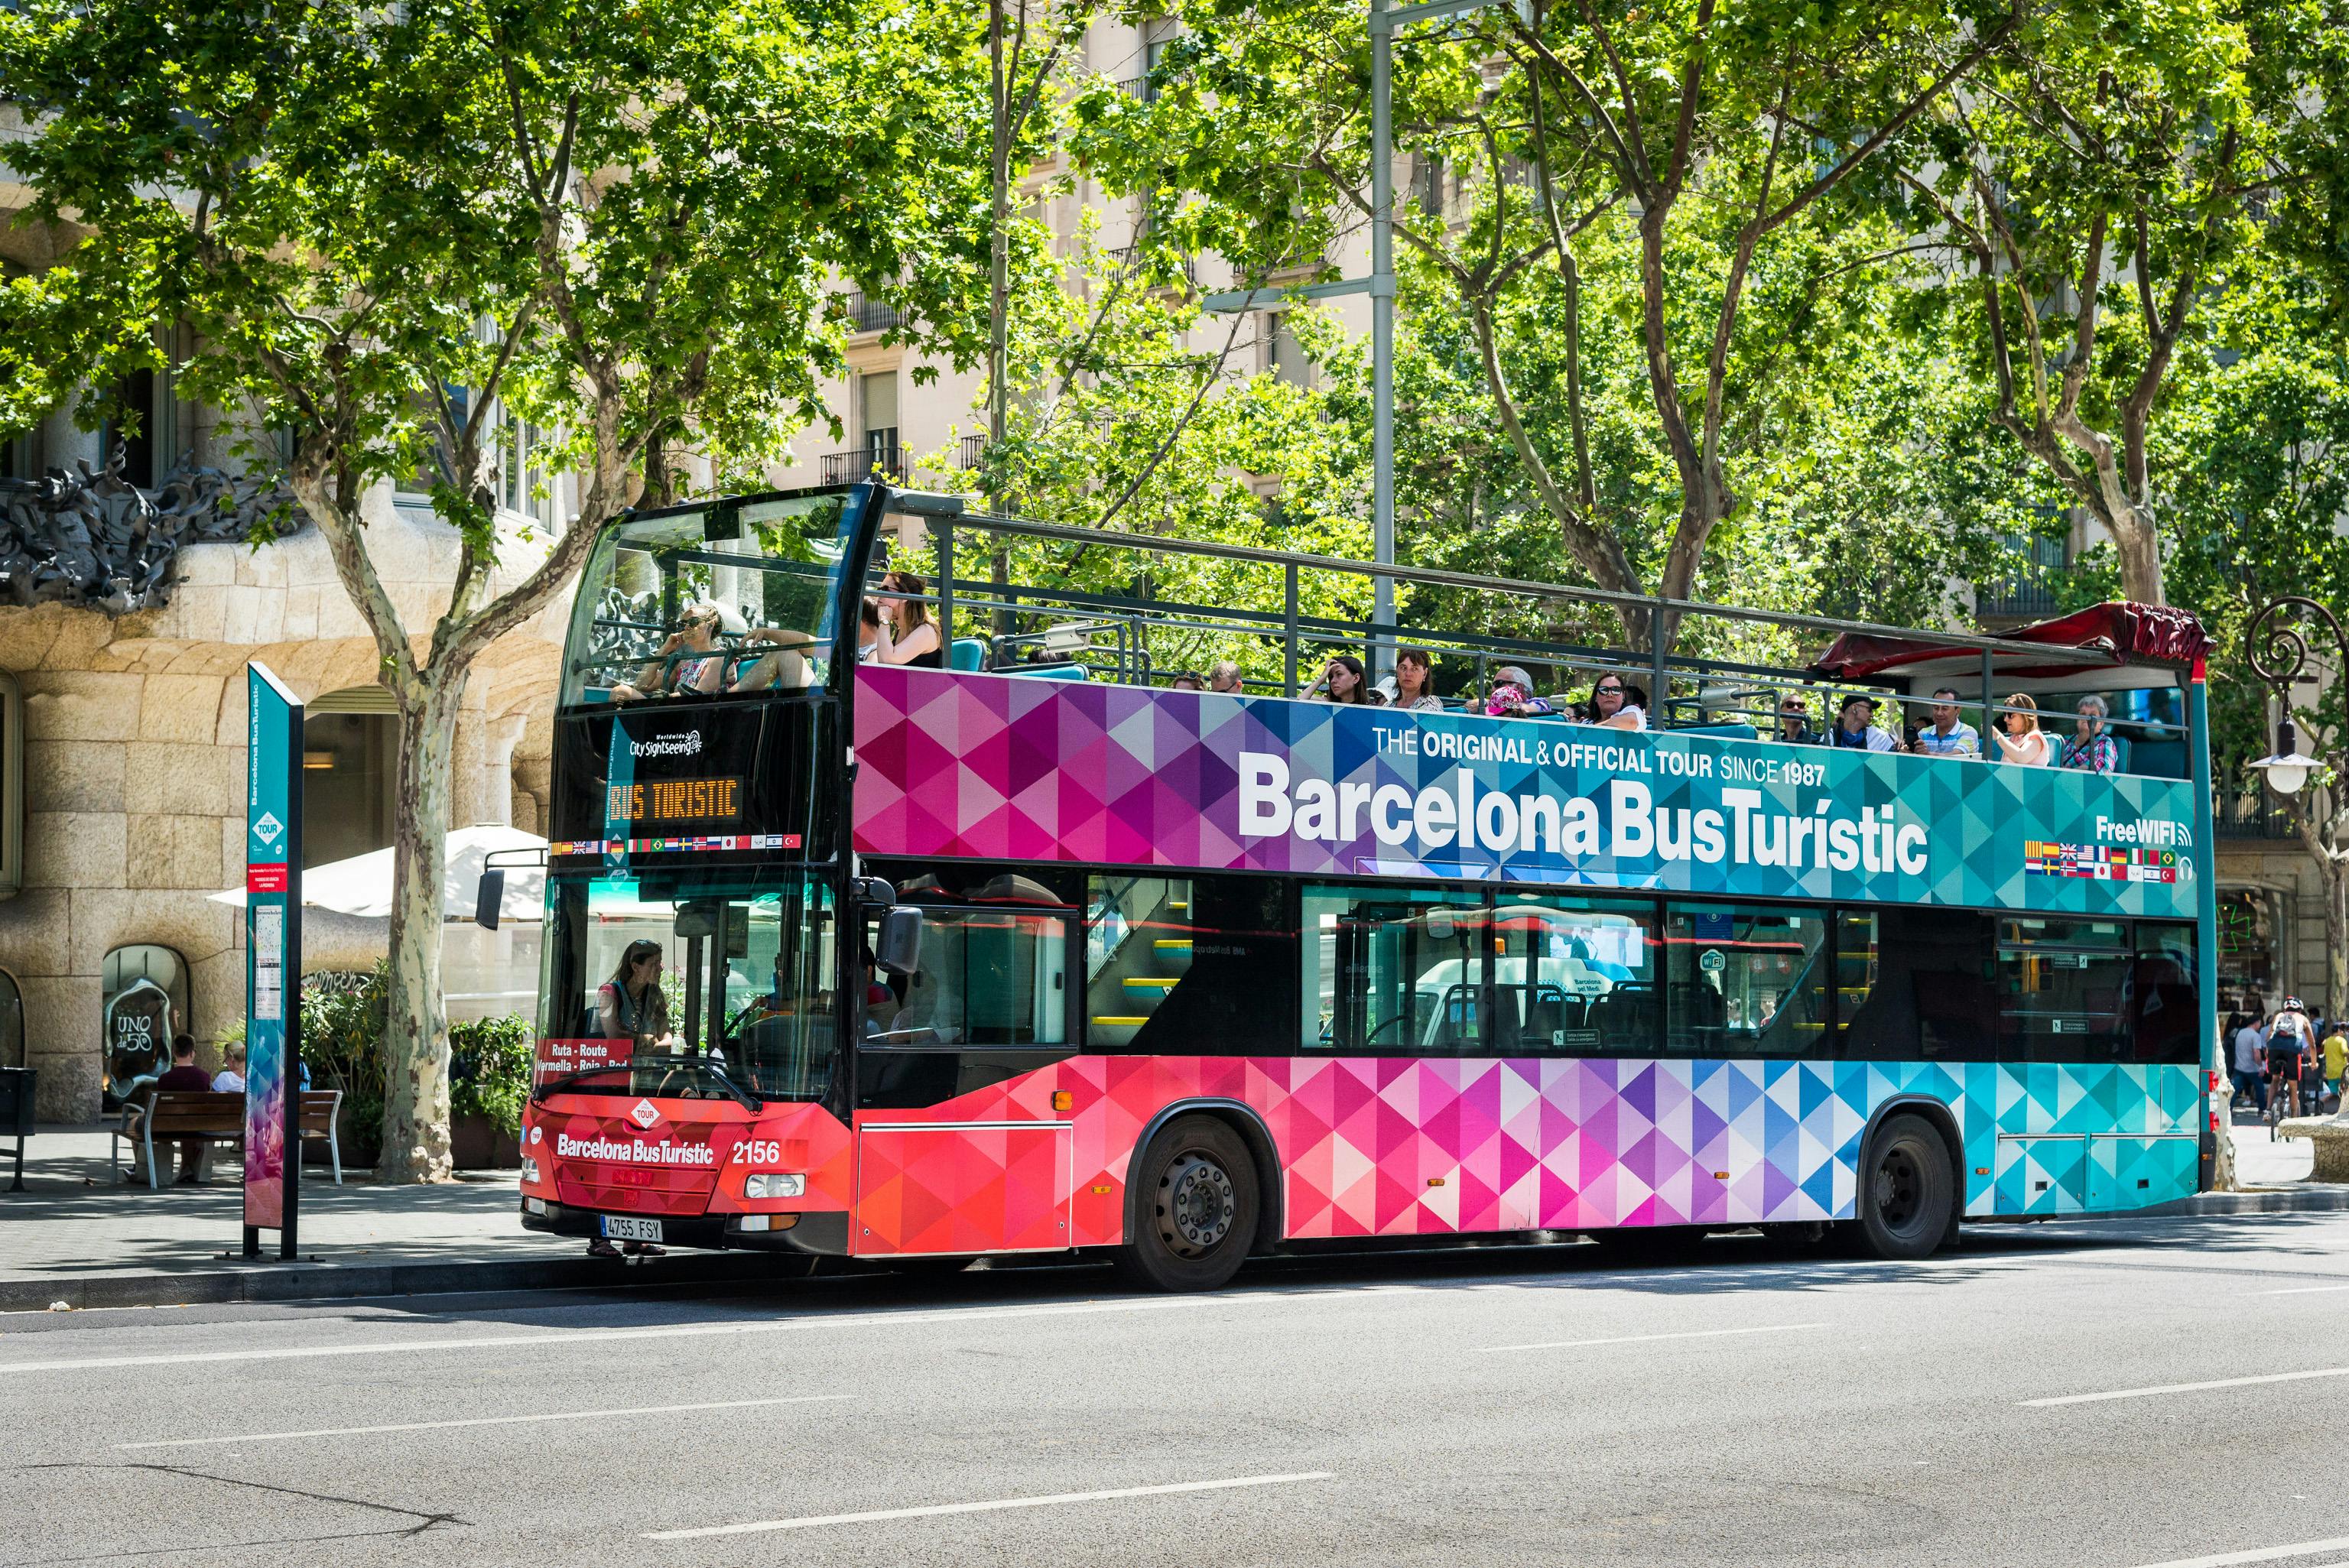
<point x="169" y="1115"/>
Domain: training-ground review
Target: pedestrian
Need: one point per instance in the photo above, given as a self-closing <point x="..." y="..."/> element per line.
<point x="1947" y="734"/>
<point x="230" y="1080"/>
<point x="184" y="1074"/>
<point x="2251" y="1064"/>
<point x="2022" y="740"/>
<point x="1856" y="728"/>
<point x="2337" y="1058"/>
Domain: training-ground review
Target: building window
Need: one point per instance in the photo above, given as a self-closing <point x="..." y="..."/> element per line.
<point x="525" y="485"/>
<point x="350" y="768"/>
<point x="143" y="1001"/>
<point x="876" y="398"/>
<point x="143" y="417"/>
<point x="1284" y="358"/>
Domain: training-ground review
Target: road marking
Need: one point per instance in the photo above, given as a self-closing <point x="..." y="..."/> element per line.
<point x="481" y="1421"/>
<point x="666" y="1331"/>
<point x="991" y="1506"/>
<point x="2259" y="1555"/>
<point x="1646" y="1338"/>
<point x="2193" y="1388"/>
<point x="2302" y="1290"/>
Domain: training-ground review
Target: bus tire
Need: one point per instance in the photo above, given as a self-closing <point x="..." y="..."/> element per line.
<point x="1197" y="1213"/>
<point x="1907" y="1193"/>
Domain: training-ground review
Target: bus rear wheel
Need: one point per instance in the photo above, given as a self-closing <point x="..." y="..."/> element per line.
<point x="1197" y="1211"/>
<point x="1907" y="1193"/>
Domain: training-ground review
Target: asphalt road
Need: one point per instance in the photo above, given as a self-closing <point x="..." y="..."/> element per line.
<point x="2016" y="1402"/>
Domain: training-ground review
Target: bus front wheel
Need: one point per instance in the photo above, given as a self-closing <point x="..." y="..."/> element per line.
<point x="1196" y="1214"/>
<point x="1907" y="1193"/>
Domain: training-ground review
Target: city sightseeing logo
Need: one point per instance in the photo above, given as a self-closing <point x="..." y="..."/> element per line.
<point x="686" y="744"/>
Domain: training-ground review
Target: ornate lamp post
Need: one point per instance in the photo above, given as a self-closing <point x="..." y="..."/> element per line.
<point x="2277" y="648"/>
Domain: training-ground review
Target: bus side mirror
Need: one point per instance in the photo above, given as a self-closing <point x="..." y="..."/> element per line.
<point x="897" y="950"/>
<point x="490" y="899"/>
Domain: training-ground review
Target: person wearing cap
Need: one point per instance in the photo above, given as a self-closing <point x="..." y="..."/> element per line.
<point x="1511" y="696"/>
<point x="1856" y="727"/>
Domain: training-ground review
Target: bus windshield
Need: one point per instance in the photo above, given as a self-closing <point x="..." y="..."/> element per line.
<point x="734" y="597"/>
<point x="739" y="969"/>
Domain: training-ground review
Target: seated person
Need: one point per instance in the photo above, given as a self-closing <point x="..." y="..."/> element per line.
<point x="1794" y="722"/>
<point x="687" y="663"/>
<point x="1408" y="687"/>
<point x="1947" y="734"/>
<point x="906" y="634"/>
<point x="785" y="668"/>
<point x="230" y="1080"/>
<point x="1224" y="677"/>
<point x="1186" y="681"/>
<point x="1344" y="680"/>
<point x="185" y="1075"/>
<point x="1856" y="727"/>
<point x="1615" y="706"/>
<point x="1511" y="696"/>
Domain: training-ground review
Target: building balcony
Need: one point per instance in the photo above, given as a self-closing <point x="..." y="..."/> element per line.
<point x="2033" y="592"/>
<point x="2252" y="816"/>
<point x="866" y="314"/>
<point x="972" y="452"/>
<point x="862" y="462"/>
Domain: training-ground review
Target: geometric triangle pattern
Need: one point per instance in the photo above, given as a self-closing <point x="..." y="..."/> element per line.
<point x="1018" y="769"/>
<point x="1382" y="1146"/>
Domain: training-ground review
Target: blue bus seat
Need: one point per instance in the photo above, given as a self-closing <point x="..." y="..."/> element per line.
<point x="1719" y="731"/>
<point x="967" y="653"/>
<point x="1053" y="672"/>
<point x="594" y="694"/>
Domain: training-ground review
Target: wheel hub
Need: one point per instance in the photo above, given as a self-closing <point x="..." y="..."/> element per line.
<point x="1197" y="1205"/>
<point x="1900" y="1189"/>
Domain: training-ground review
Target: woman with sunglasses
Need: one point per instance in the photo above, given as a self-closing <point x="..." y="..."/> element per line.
<point x="908" y="636"/>
<point x="1615" y="706"/>
<point x="688" y="663"/>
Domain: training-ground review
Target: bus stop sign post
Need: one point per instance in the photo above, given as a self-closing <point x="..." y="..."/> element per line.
<point x="272" y="962"/>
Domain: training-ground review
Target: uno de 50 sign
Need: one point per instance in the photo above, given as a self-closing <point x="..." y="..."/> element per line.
<point x="1006" y="769"/>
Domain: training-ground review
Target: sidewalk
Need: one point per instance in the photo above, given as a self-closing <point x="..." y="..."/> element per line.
<point x="80" y="1234"/>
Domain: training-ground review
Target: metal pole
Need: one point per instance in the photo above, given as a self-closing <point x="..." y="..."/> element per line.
<point x="1990" y="720"/>
<point x="1289" y="633"/>
<point x="1382" y="290"/>
<point x="946" y="592"/>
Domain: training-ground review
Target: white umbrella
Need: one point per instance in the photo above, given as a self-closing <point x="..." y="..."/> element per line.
<point x="362" y="884"/>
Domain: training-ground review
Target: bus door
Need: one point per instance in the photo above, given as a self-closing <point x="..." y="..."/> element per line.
<point x="988" y="1005"/>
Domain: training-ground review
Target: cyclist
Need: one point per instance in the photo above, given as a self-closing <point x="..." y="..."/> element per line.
<point x="2291" y="1039"/>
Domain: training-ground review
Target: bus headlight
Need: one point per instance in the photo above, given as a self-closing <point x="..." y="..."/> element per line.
<point x="774" y="1184"/>
<point x="529" y="1169"/>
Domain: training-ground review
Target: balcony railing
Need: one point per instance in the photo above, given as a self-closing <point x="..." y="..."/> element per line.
<point x="2252" y="816"/>
<point x="866" y="314"/>
<point x="859" y="462"/>
<point x="2032" y="592"/>
<point x="972" y="453"/>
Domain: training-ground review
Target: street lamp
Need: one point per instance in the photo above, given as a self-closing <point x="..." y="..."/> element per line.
<point x="2287" y="769"/>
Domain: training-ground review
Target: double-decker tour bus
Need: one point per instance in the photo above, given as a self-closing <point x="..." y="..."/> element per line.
<point x="1016" y="947"/>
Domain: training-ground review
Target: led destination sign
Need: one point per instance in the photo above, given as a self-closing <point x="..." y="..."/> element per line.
<point x="675" y="801"/>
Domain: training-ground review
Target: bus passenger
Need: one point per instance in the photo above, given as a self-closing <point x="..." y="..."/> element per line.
<point x="1613" y="706"/>
<point x="630" y="1006"/>
<point x="668" y="676"/>
<point x="908" y="636"/>
<point x="1856" y="728"/>
<point x="1511" y="696"/>
<point x="784" y="667"/>
<point x="2090" y="749"/>
<point x="2023" y="740"/>
<point x="1413" y="668"/>
<point x="1224" y="678"/>
<point x="1188" y="681"/>
<point x="868" y="630"/>
<point x="1947" y="734"/>
<point x="1794" y="722"/>
<point x="1344" y="680"/>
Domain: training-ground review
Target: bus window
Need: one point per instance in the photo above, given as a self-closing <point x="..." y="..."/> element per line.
<point x="1745" y="980"/>
<point x="1187" y="963"/>
<point x="1400" y="970"/>
<point x="1580" y="975"/>
<point x="2164" y="1014"/>
<point x="1916" y="984"/>
<point x="2064" y="990"/>
<point x="989" y="976"/>
<point x="742" y="983"/>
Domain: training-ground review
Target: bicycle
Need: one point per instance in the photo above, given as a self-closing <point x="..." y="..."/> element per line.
<point x="2284" y="1090"/>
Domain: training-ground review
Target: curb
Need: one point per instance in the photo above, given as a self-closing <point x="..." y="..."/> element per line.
<point x="326" y="1281"/>
<point x="2304" y="1199"/>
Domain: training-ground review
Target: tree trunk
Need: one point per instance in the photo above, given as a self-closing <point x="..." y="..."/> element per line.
<point x="416" y="1033"/>
<point x="2138" y="546"/>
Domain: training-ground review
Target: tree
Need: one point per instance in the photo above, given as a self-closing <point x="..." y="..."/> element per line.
<point x="385" y="225"/>
<point x="2097" y="179"/>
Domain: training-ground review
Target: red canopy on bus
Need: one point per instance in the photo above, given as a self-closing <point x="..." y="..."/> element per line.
<point x="2123" y="632"/>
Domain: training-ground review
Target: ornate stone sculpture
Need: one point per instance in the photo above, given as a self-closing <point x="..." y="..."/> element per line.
<point x="98" y="542"/>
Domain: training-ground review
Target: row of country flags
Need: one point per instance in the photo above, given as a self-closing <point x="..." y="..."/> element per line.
<point x="699" y="842"/>
<point x="2099" y="862"/>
